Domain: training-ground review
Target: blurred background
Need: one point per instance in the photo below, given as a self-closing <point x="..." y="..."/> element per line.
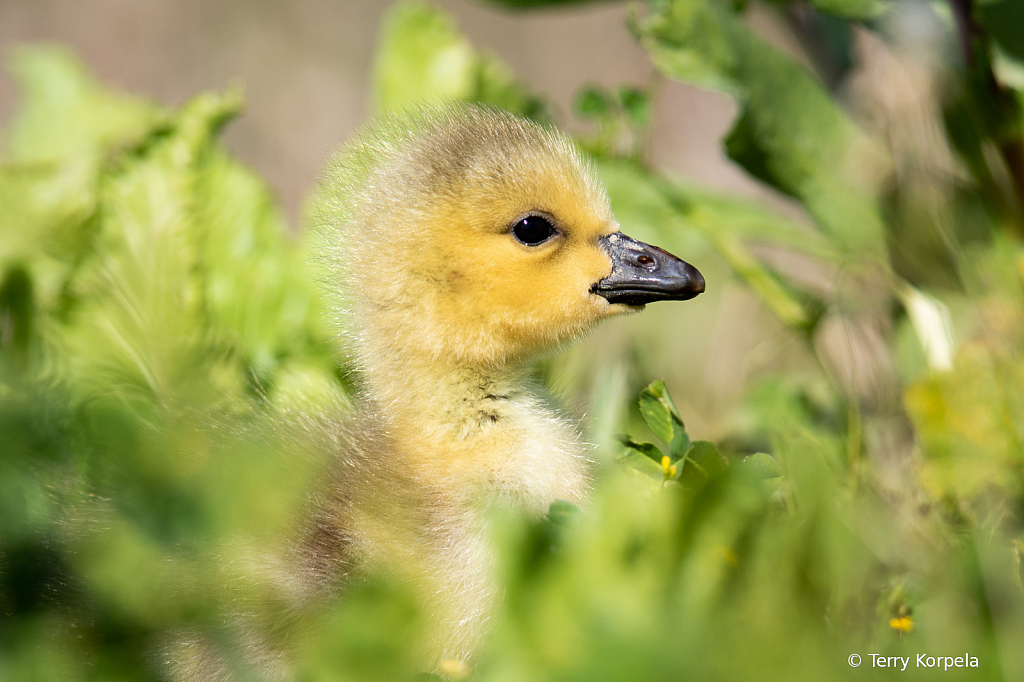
<point x="306" y="70"/>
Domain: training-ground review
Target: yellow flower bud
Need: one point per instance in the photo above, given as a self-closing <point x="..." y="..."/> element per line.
<point x="903" y="623"/>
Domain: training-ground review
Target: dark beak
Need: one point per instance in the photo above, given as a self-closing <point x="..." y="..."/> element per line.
<point x="642" y="273"/>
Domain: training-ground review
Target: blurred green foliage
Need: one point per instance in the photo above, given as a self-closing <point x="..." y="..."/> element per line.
<point x="157" y="330"/>
<point x="422" y="57"/>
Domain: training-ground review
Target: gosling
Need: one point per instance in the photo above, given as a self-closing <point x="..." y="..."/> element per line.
<point x="463" y="243"/>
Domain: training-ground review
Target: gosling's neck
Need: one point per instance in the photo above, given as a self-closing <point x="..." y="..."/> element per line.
<point x="451" y="400"/>
<point x="480" y="433"/>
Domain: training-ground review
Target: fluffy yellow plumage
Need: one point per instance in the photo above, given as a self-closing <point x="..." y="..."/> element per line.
<point x="460" y="244"/>
<point x="446" y="300"/>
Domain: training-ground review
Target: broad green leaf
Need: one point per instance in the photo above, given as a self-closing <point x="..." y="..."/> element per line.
<point x="667" y="205"/>
<point x="561" y="512"/>
<point x="764" y="467"/>
<point x="648" y="450"/>
<point x="789" y="133"/>
<point x="742" y="147"/>
<point x="661" y="415"/>
<point x="641" y="458"/>
<point x="701" y="462"/>
<point x="680" y="444"/>
<point x="16" y="309"/>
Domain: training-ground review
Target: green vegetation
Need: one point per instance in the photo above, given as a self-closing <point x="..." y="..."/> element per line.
<point x="156" y="323"/>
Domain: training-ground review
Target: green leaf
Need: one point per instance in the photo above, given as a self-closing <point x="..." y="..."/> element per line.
<point x="664" y="207"/>
<point x="764" y="467"/>
<point x="641" y="458"/>
<point x="701" y="462"/>
<point x="65" y="128"/>
<point x="562" y="512"/>
<point x="661" y="415"/>
<point x="649" y="450"/>
<point x="742" y="147"/>
<point x="790" y="133"/>
<point x="149" y="249"/>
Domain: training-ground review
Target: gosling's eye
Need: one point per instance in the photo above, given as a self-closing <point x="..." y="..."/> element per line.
<point x="533" y="230"/>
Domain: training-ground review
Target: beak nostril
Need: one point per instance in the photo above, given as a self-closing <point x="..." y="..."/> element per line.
<point x="642" y="273"/>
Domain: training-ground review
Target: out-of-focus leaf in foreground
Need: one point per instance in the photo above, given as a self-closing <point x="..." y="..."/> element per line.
<point x="153" y="320"/>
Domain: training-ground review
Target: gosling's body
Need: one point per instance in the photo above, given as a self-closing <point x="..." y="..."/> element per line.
<point x="413" y="485"/>
<point x="443" y="310"/>
<point x="461" y="245"/>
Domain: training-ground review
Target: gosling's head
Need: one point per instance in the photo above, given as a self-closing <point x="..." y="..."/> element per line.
<point x="470" y="235"/>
